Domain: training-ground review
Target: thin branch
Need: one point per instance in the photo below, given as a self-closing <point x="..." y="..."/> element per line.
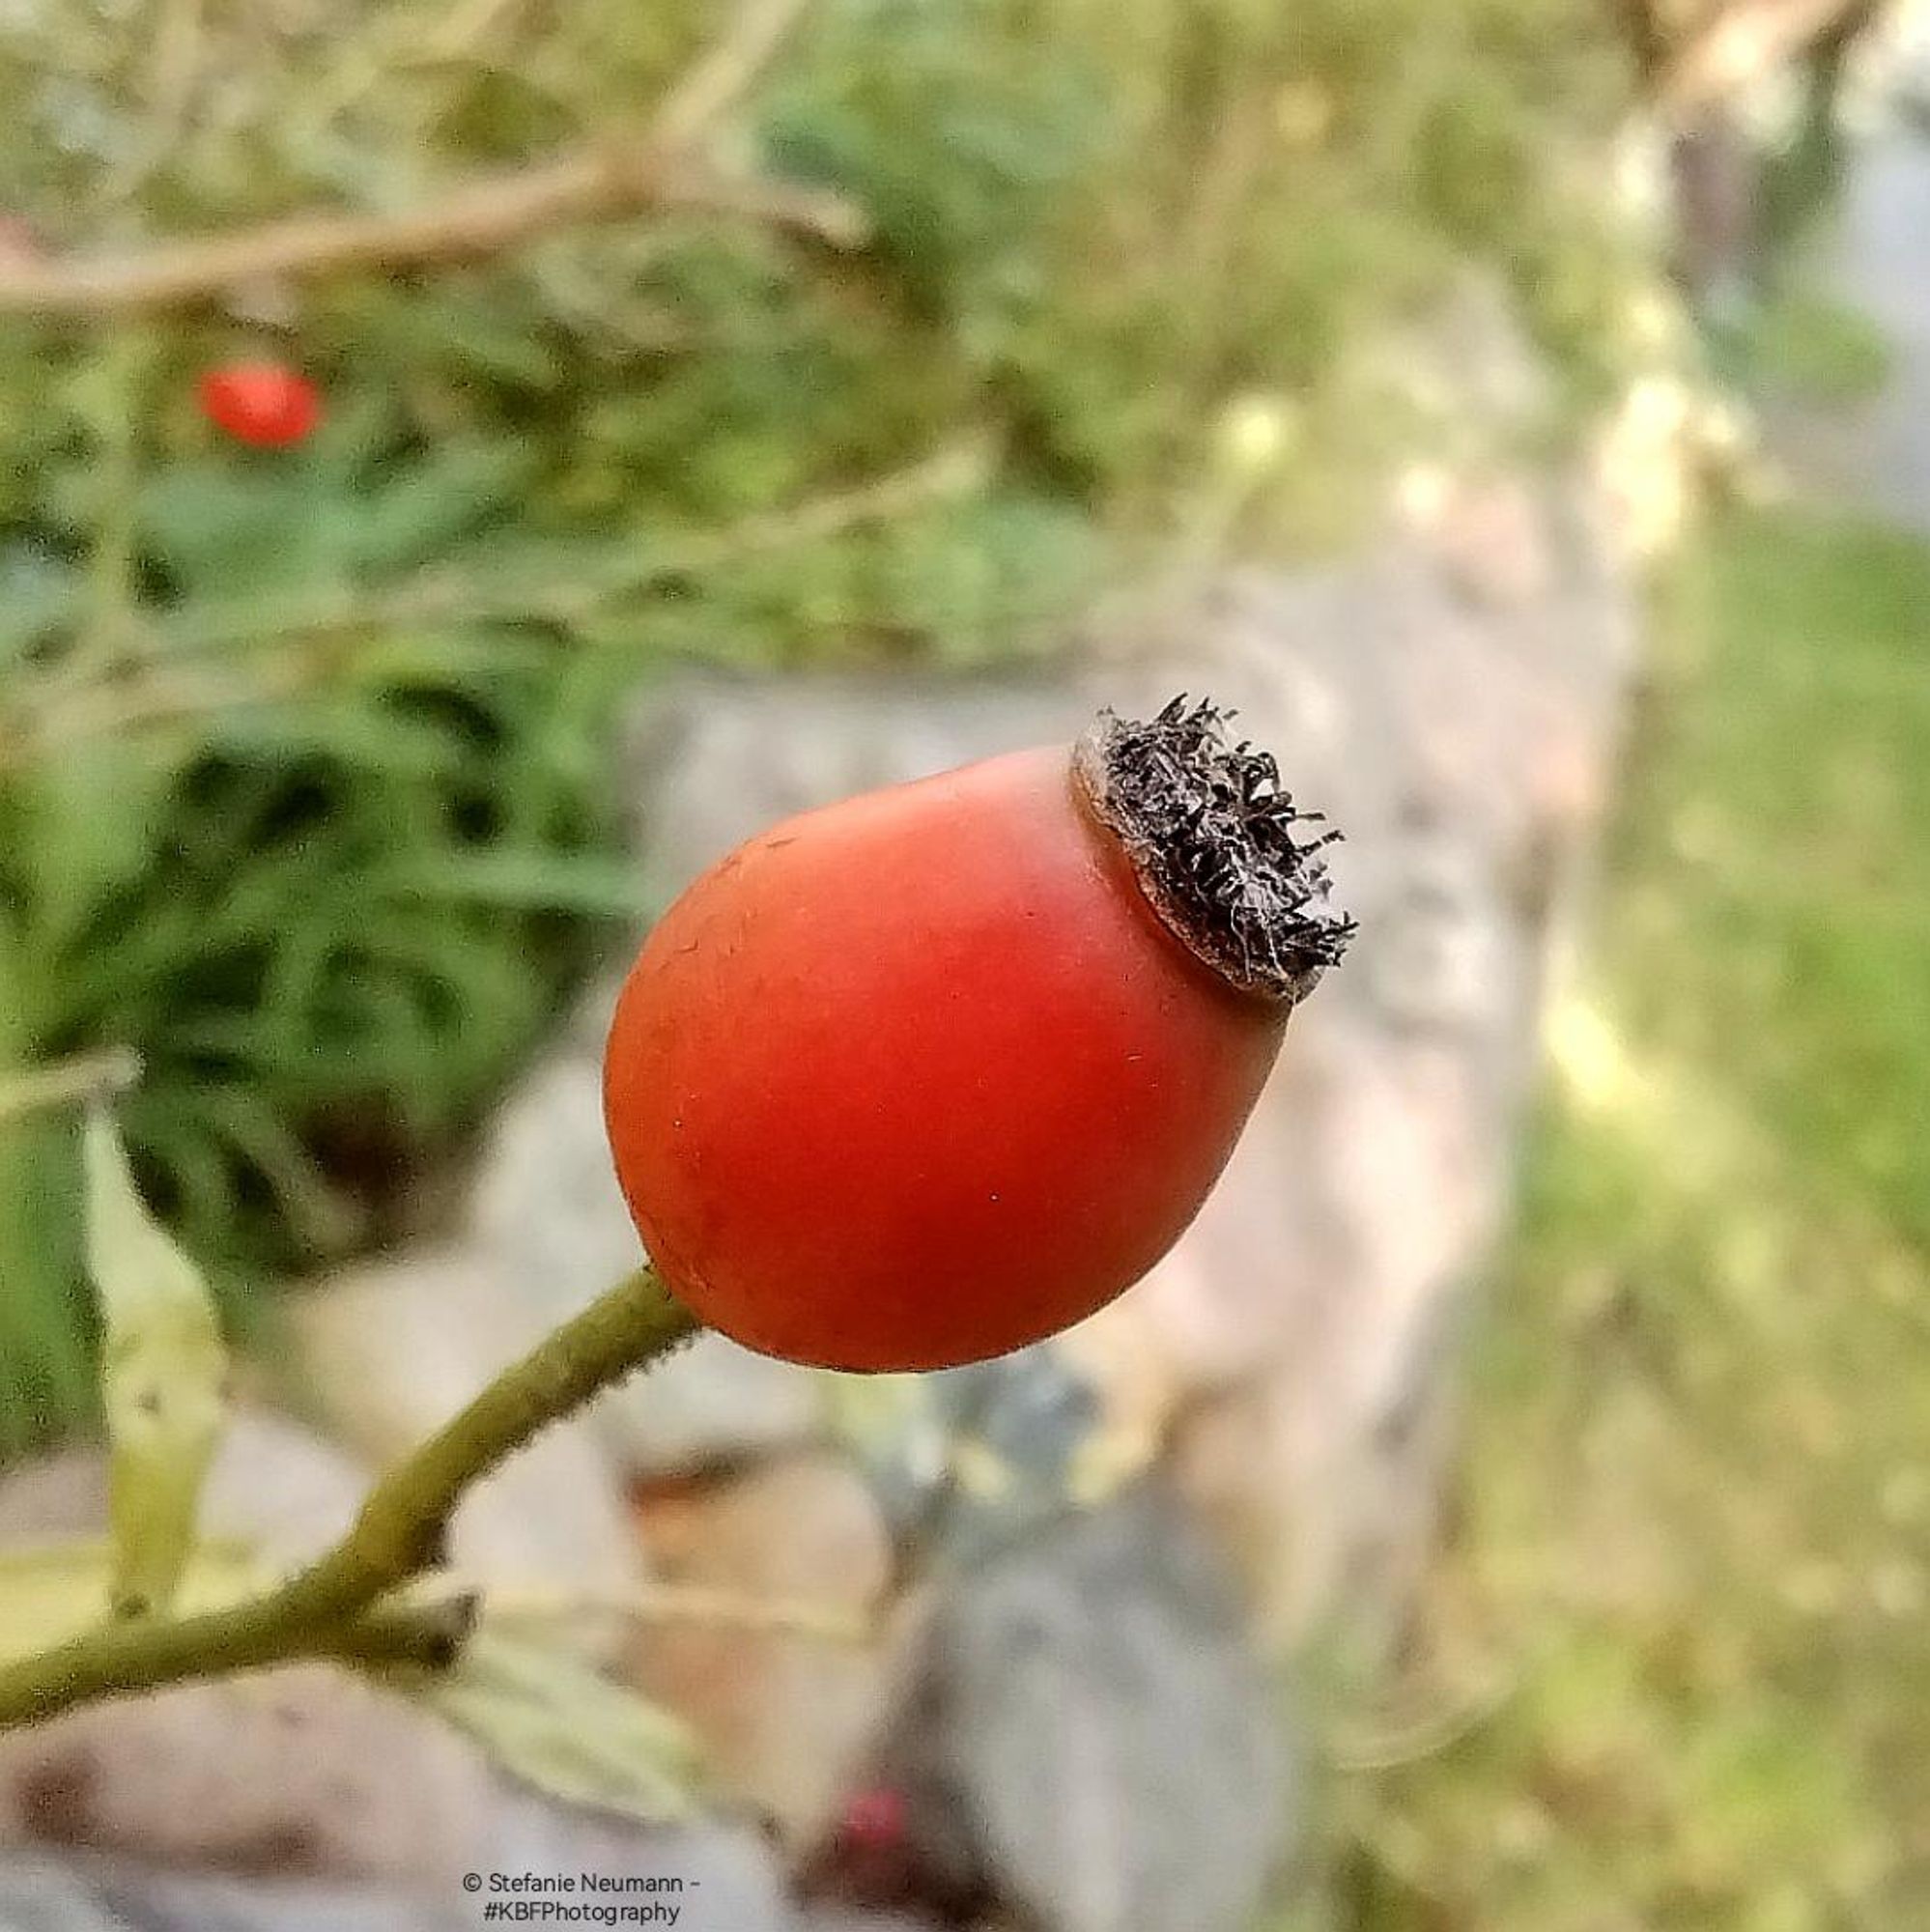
<point x="722" y="77"/>
<point x="426" y="1636"/>
<point x="325" y="1609"/>
<point x="466" y="26"/>
<point x="91" y="705"/>
<point x="57" y="708"/>
<point x="671" y="1603"/>
<point x="437" y="597"/>
<point x="664" y="173"/>
<point x="69" y="1082"/>
<point x="172" y="65"/>
<point x="492" y="214"/>
<point x="1428" y="1736"/>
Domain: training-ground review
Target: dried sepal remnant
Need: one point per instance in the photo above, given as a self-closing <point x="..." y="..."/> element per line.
<point x="1211" y="831"/>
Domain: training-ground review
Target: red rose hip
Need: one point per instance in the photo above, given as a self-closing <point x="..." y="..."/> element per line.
<point x="926" y="1076"/>
<point x="264" y="404"/>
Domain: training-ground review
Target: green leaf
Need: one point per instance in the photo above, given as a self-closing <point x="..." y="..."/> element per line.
<point x="523" y="880"/>
<point x="250" y="1123"/>
<point x="40" y="592"/>
<point x="365" y="740"/>
<point x="238" y="528"/>
<point x="92" y="820"/>
<point x="163" y="1374"/>
<point x="548" y="1719"/>
<point x="418" y="515"/>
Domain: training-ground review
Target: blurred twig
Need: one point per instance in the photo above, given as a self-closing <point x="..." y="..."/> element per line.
<point x="66" y="1083"/>
<point x="664" y="1603"/>
<point x="494" y="212"/>
<point x="439" y="596"/>
<point x="466" y="25"/>
<point x="714" y="84"/>
<point x="98" y="707"/>
<point x="172" y="64"/>
<point x="664" y="172"/>
<point x="61" y="706"/>
<point x="1428" y="1736"/>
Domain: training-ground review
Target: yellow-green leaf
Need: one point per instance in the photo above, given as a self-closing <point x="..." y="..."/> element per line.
<point x="163" y="1371"/>
<point x="53" y="1591"/>
<point x="548" y="1719"/>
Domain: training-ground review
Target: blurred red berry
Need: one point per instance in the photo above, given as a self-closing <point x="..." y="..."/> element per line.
<point x="873" y="1820"/>
<point x="264" y="404"/>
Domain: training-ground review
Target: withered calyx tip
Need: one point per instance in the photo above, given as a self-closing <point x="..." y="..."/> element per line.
<point x="1211" y="831"/>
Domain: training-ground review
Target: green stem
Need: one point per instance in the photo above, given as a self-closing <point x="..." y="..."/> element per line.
<point x="424" y="1636"/>
<point x="321" y="1611"/>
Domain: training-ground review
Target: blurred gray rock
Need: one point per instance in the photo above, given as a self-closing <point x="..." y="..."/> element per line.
<point x="302" y="1771"/>
<point x="1450" y="698"/>
<point x="857" y="1919"/>
<point x="162" y="1901"/>
<point x="732" y="1878"/>
<point x="386" y="1353"/>
<point x="44" y="1894"/>
<point x="1092" y="1736"/>
<point x="718" y="758"/>
<point x="1290" y="1352"/>
<point x="783" y="1713"/>
<point x="1026" y="1409"/>
<point x="551" y="1221"/>
<point x="974" y="1457"/>
<point x="733" y="1883"/>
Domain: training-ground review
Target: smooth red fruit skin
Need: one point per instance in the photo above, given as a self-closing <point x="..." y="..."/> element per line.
<point x="918" y="1079"/>
<point x="264" y="404"/>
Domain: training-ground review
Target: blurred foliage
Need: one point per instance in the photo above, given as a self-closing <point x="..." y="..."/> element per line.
<point x="305" y="782"/>
<point x="1802" y="346"/>
<point x="1678" y="1653"/>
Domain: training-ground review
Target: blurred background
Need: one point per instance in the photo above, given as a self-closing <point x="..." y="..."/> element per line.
<point x="468" y="461"/>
